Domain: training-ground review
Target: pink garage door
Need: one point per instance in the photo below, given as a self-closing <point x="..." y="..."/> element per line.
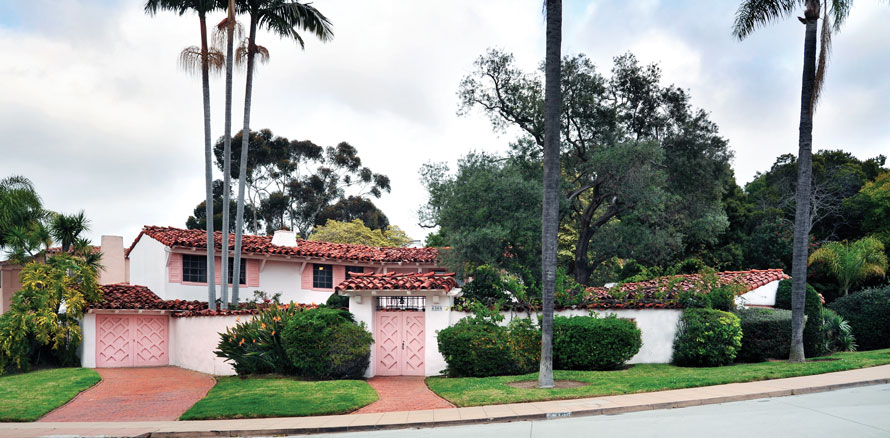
<point x="132" y="340"/>
<point x="400" y="343"/>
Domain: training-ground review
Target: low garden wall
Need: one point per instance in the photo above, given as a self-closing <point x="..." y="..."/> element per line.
<point x="658" y="328"/>
<point x="193" y="339"/>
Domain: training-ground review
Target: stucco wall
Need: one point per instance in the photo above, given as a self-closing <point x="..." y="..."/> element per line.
<point x="762" y="296"/>
<point x="193" y="339"/>
<point x="148" y="266"/>
<point x="87" y="350"/>
<point x="657" y="327"/>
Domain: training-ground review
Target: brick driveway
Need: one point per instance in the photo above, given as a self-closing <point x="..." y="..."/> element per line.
<point x="403" y="393"/>
<point x="136" y="394"/>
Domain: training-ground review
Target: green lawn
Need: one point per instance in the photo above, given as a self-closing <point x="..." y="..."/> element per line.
<point x="271" y="396"/>
<point x="638" y="378"/>
<point x="29" y="396"/>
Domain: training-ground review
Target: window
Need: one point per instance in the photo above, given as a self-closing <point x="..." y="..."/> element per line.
<point x="194" y="268"/>
<point x="356" y="269"/>
<point x="401" y="303"/>
<point x="322" y="276"/>
<point x="243" y="275"/>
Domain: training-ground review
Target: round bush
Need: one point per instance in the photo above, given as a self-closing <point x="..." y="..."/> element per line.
<point x="525" y="345"/>
<point x="337" y="301"/>
<point x="476" y="350"/>
<point x="766" y="334"/>
<point x="868" y="313"/>
<point x="812" y="331"/>
<point x="326" y="343"/>
<point x="707" y="337"/>
<point x="589" y="343"/>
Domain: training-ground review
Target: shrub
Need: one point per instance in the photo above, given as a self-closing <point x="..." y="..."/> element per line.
<point x="476" y="350"/>
<point x="837" y="335"/>
<point x="337" y="301"/>
<point x="255" y="346"/>
<point x="766" y="334"/>
<point x="707" y="337"/>
<point x="524" y="340"/>
<point x="868" y="312"/>
<point x="590" y="343"/>
<point x="325" y="343"/>
<point x="812" y="331"/>
<point x="486" y="286"/>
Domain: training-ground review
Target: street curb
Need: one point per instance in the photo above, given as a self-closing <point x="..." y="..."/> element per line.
<point x="527" y="417"/>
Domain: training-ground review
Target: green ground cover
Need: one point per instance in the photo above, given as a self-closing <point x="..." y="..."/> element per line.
<point x="29" y="396"/>
<point x="477" y="391"/>
<point x="272" y="396"/>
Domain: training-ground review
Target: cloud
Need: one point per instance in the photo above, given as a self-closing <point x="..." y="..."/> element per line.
<point x="94" y="109"/>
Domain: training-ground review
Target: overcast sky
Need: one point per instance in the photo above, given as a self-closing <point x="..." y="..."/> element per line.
<point x="95" y="111"/>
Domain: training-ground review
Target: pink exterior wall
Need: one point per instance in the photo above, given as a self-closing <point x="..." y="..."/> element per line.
<point x="9" y="284"/>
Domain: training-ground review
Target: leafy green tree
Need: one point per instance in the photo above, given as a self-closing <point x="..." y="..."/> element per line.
<point x="873" y="205"/>
<point x="204" y="59"/>
<point x="642" y="171"/>
<point x="66" y="229"/>
<point x="751" y="15"/>
<point x="198" y="219"/>
<point x="285" y="18"/>
<point x="354" y="207"/>
<point x="488" y="212"/>
<point x="21" y="213"/>
<point x="291" y="182"/>
<point x="45" y="314"/>
<point x="851" y="263"/>
<point x="355" y="232"/>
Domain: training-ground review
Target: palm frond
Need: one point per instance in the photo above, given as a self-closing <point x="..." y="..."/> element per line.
<point x="190" y="60"/>
<point x="287" y="18"/>
<point x="753" y="14"/>
<point x="824" y="52"/>
<point x="220" y="39"/>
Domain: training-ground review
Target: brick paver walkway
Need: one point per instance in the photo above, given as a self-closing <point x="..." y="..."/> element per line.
<point x="136" y="394"/>
<point x="403" y="393"/>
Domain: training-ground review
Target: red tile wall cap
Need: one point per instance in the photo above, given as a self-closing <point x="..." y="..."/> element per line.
<point x="749" y="280"/>
<point x="397" y="281"/>
<point x="262" y="245"/>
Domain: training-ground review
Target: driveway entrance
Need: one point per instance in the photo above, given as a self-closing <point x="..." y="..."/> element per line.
<point x="124" y="340"/>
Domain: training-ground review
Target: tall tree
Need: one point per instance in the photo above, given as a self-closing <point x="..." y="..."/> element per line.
<point x="67" y="228"/>
<point x="751" y="15"/>
<point x="284" y="18"/>
<point x="550" y="213"/>
<point x="204" y="59"/>
<point x="230" y="26"/>
<point x="851" y="263"/>
<point x="23" y="233"/>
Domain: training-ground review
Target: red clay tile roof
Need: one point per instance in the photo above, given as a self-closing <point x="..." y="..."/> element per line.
<point x="177" y="237"/>
<point x="395" y="281"/>
<point x="126" y="296"/>
<point x="57" y="249"/>
<point x="657" y="293"/>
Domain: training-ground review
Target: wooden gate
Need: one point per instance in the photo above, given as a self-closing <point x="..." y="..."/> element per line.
<point x="132" y="340"/>
<point x="401" y="340"/>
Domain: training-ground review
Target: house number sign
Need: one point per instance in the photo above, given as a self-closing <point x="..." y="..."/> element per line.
<point x="436" y="308"/>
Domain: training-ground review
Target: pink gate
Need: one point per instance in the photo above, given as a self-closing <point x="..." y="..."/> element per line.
<point x="132" y="340"/>
<point x="401" y="339"/>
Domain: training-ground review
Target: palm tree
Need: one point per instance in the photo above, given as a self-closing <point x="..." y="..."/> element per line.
<point x="851" y="263"/>
<point x="203" y="59"/>
<point x="22" y="217"/>
<point x="67" y="229"/>
<point x="550" y="214"/>
<point x="230" y="26"/>
<point x="751" y="15"/>
<point x="284" y="18"/>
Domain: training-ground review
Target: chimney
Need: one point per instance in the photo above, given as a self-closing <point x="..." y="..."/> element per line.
<point x="113" y="260"/>
<point x="284" y="238"/>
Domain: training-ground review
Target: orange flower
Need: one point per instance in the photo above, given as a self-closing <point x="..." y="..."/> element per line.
<point x="263" y="325"/>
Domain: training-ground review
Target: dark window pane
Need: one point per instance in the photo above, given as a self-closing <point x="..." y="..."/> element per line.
<point x="322" y="276"/>
<point x="357" y="269"/>
<point x="194" y="268"/>
<point x="243" y="278"/>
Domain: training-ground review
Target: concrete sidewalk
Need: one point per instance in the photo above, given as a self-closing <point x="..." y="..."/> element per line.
<point x="609" y="405"/>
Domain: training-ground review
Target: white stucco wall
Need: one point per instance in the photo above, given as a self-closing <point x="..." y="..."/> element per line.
<point x="762" y="296"/>
<point x="193" y="339"/>
<point x="87" y="350"/>
<point x="657" y="328"/>
<point x="148" y="265"/>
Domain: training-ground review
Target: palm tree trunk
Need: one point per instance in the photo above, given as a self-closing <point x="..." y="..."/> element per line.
<point x="242" y="169"/>
<point x="804" y="181"/>
<point x="550" y="211"/>
<point x="227" y="162"/>
<point x="208" y="164"/>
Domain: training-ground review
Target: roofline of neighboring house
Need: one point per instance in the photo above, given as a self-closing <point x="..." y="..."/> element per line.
<point x="299" y="259"/>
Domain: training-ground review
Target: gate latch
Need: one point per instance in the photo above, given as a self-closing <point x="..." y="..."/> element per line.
<point x="403" y="345"/>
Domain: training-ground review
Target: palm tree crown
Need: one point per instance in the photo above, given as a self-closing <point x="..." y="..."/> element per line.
<point x="850" y="263"/>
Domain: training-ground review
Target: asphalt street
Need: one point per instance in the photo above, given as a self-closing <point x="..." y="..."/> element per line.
<point x="849" y="413"/>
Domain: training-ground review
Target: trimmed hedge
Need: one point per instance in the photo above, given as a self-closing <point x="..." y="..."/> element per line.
<point x="326" y="343"/>
<point x="812" y="331"/>
<point x="707" y="337"/>
<point x="590" y="343"/>
<point x="476" y="350"/>
<point x="868" y="313"/>
<point x="766" y="334"/>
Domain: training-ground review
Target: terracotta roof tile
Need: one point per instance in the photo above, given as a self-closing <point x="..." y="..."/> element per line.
<point x="396" y="281"/>
<point x="177" y="237"/>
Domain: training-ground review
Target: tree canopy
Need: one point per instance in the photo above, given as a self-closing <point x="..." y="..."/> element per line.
<point x="356" y="233"/>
